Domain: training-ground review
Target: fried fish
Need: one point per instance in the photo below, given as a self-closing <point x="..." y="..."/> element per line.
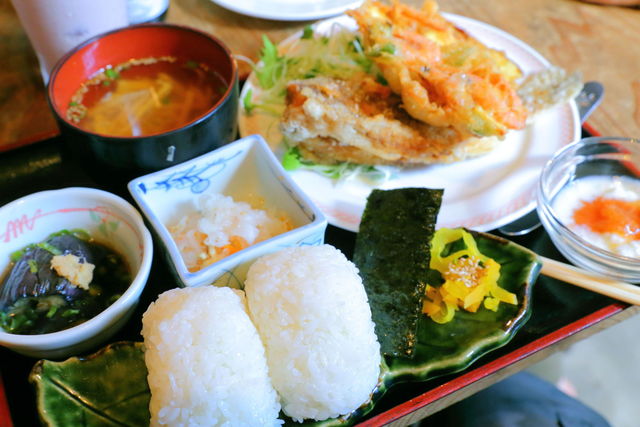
<point x="362" y="121"/>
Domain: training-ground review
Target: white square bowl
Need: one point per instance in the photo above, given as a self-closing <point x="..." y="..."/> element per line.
<point x="246" y="167"/>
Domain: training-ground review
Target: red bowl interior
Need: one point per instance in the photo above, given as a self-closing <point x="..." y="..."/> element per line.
<point x="141" y="41"/>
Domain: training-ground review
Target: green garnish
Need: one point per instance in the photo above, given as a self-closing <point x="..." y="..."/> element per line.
<point x="52" y="311"/>
<point x="191" y="64"/>
<point x="272" y="66"/>
<point x="307" y="33"/>
<point x="380" y="79"/>
<point x="49" y="247"/>
<point x="77" y="232"/>
<point x="70" y="312"/>
<point x="293" y="160"/>
<point x="247" y="102"/>
<point x="73" y="104"/>
<point x="361" y="58"/>
<point x="33" y="265"/>
<point x="16" y="255"/>
<point x="339" y="56"/>
<point x="111" y="73"/>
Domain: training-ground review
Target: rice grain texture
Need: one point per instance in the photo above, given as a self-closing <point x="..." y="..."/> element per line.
<point x="206" y="362"/>
<point x="311" y="310"/>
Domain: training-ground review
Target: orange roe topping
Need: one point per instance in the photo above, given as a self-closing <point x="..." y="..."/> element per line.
<point x="604" y="215"/>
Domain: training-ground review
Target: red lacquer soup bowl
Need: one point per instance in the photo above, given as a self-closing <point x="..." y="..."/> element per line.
<point x="100" y="65"/>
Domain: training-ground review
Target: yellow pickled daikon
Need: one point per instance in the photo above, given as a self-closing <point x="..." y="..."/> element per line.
<point x="470" y="278"/>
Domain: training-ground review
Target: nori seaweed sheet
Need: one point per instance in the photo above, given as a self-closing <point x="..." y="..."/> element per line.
<point x="392" y="253"/>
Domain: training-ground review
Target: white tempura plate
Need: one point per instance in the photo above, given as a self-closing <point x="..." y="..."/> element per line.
<point x="289" y="10"/>
<point x="482" y="193"/>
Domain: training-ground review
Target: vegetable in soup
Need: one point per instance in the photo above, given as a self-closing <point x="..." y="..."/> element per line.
<point x="59" y="283"/>
<point x="145" y="97"/>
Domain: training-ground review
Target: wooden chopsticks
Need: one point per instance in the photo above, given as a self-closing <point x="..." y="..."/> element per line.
<point x="594" y="282"/>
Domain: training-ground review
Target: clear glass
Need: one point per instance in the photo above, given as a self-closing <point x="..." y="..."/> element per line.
<point x="609" y="157"/>
<point x="55" y="27"/>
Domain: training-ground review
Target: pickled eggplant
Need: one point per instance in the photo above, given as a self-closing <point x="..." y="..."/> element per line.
<point x="39" y="294"/>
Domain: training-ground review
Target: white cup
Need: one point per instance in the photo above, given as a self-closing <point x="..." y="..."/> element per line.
<point x="56" y="26"/>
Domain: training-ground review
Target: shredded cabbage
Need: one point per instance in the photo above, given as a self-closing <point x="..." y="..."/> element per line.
<point x="293" y="160"/>
<point x="339" y="55"/>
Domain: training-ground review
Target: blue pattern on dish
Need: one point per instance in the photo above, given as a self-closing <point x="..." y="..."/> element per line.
<point x="193" y="177"/>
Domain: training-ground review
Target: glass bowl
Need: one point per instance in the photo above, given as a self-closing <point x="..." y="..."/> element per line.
<point x="586" y="192"/>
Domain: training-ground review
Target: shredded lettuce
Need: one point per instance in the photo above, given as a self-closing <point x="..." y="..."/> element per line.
<point x="272" y="65"/>
<point x="339" y="56"/>
<point x="293" y="160"/>
<point x="307" y="33"/>
<point x="248" y="102"/>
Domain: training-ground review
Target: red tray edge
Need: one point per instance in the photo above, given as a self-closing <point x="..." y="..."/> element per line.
<point x="494" y="366"/>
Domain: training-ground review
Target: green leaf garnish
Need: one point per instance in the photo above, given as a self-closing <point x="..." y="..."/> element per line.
<point x="49" y="247"/>
<point x="380" y="79"/>
<point x="272" y="64"/>
<point x="388" y="48"/>
<point x="16" y="255"/>
<point x="377" y="51"/>
<point x="111" y="73"/>
<point x="291" y="160"/>
<point x="52" y="311"/>
<point x="191" y="64"/>
<point x="247" y="102"/>
<point x="33" y="266"/>
<point x="307" y="33"/>
<point x="70" y="312"/>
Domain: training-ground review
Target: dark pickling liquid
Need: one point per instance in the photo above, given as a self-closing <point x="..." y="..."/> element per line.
<point x="41" y="302"/>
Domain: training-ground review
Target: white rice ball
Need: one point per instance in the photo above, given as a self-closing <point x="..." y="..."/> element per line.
<point x="206" y="362"/>
<point x="311" y="310"/>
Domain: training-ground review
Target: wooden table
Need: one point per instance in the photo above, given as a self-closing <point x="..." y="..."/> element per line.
<point x="603" y="42"/>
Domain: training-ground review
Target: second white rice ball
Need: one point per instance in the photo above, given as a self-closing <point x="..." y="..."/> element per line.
<point x="311" y="311"/>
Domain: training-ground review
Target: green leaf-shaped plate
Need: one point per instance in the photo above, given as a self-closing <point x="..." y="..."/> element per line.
<point x="451" y="347"/>
<point x="110" y="387"/>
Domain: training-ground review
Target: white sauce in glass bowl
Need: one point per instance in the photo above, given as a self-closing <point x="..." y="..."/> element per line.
<point x="572" y="197"/>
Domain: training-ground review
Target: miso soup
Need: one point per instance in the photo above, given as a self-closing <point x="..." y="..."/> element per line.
<point x="145" y="97"/>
